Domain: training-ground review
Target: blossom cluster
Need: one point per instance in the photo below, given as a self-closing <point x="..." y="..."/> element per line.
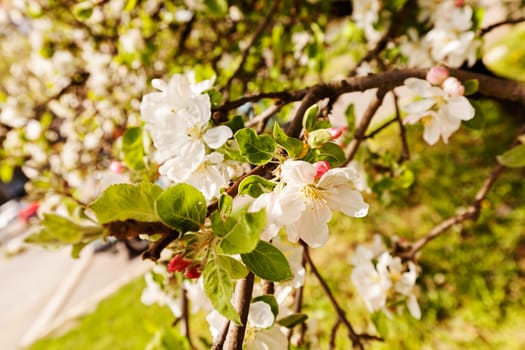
<point x="306" y="197"/>
<point x="441" y="105"/>
<point x="177" y="116"/>
<point x="451" y="39"/>
<point x="382" y="279"/>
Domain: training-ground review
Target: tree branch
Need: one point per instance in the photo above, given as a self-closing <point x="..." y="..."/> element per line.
<point x="355" y="337"/>
<point x="243" y="296"/>
<point x="493" y="26"/>
<point x="405" y="150"/>
<point x="506" y="90"/>
<point x="471" y="213"/>
<point x="258" y="32"/>
<point x="359" y="134"/>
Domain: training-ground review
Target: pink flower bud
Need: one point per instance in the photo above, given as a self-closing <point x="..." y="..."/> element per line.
<point x="453" y="87"/>
<point x="460" y="3"/>
<point x="321" y="167"/>
<point x="335" y="132"/>
<point x="116" y="167"/>
<point x="194" y="271"/>
<point x="178" y="263"/>
<point x="437" y="75"/>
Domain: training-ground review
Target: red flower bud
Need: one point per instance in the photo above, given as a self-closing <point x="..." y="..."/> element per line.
<point x="194" y="271"/>
<point x="335" y="132"/>
<point x="116" y="167"/>
<point x="321" y="167"/>
<point x="178" y="263"/>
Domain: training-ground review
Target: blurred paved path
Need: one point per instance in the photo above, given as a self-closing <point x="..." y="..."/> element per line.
<point x="41" y="289"/>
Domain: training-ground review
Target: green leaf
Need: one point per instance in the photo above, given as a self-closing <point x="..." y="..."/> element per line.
<point x="218" y="286"/>
<point x="215" y="97"/>
<point x="244" y="235"/>
<point x="225" y="203"/>
<point x="130" y="5"/>
<point x="216" y="8"/>
<point x="221" y="227"/>
<point x="133" y="148"/>
<point x="381" y="323"/>
<point x="234" y="268"/>
<point x="236" y="123"/>
<point x="270" y="300"/>
<point x="268" y="262"/>
<point x="471" y="86"/>
<point x="59" y="230"/>
<point x="83" y="10"/>
<point x="292" y="320"/>
<point x="294" y="147"/>
<point x="330" y="152"/>
<point x="513" y="158"/>
<point x="182" y="207"/>
<point x="126" y="201"/>
<point x="257" y="149"/>
<point x="6" y="172"/>
<point x="350" y="117"/>
<point x="478" y="122"/>
<point x="317" y="138"/>
<point x="310" y="117"/>
<point x="255" y="185"/>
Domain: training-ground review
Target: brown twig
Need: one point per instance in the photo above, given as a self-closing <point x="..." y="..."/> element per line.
<point x="493" y="26"/>
<point x="471" y="213"/>
<point x="219" y="342"/>
<point x="376" y="131"/>
<point x="243" y="295"/>
<point x="262" y="119"/>
<point x="395" y="25"/>
<point x="156" y="248"/>
<point x="185" y="316"/>
<point x="333" y="334"/>
<point x="246" y="51"/>
<point x="298" y="306"/>
<point x="359" y="134"/>
<point x="405" y="150"/>
<point x="355" y="337"/>
<point x="505" y="90"/>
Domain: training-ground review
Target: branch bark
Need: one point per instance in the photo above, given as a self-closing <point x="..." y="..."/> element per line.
<point x="243" y="296"/>
<point x="471" y="213"/>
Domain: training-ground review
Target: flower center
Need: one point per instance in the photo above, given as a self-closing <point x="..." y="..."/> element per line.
<point x="311" y="192"/>
<point x="194" y="132"/>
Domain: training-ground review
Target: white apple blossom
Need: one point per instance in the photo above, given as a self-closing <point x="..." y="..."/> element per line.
<point x="154" y="294"/>
<point x="310" y="201"/>
<point x="386" y="281"/>
<point x="440" y="112"/>
<point x="208" y="175"/>
<point x="261" y="331"/>
<point x="366" y="14"/>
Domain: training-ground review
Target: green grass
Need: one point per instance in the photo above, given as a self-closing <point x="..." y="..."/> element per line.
<point x="119" y="322"/>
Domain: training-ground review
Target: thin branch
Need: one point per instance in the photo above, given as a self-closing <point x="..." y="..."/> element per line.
<point x="243" y="296"/>
<point x="405" y="151"/>
<point x="156" y="248"/>
<point x="333" y="334"/>
<point x="298" y="306"/>
<point x="471" y="213"/>
<point x="505" y="90"/>
<point x="258" y="32"/>
<point x="376" y="131"/>
<point x="185" y="316"/>
<point x="493" y="26"/>
<point x="359" y="134"/>
<point x="355" y="337"/>
<point x="219" y="342"/>
<point x="262" y="119"/>
<point x="398" y="21"/>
